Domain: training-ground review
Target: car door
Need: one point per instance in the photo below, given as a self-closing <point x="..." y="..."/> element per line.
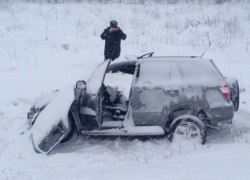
<point x="52" y="124"/>
<point x="93" y="90"/>
<point x="148" y="96"/>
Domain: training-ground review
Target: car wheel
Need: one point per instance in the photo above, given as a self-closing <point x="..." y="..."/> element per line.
<point x="190" y="129"/>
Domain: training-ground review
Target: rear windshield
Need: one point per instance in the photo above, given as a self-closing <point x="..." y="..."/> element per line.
<point x="200" y="72"/>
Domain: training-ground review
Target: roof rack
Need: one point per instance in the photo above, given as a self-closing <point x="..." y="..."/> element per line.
<point x="176" y="56"/>
<point x="150" y="54"/>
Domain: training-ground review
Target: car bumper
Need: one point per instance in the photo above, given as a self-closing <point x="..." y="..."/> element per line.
<point x="221" y="115"/>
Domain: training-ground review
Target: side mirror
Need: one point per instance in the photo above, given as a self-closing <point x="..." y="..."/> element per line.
<point x="80" y="84"/>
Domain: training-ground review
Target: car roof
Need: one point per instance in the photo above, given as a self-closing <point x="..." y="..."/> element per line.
<point x="128" y="65"/>
<point x="133" y="61"/>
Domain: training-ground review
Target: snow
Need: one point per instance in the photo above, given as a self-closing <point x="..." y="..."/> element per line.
<point x="129" y="131"/>
<point x="55" y="112"/>
<point x="120" y="80"/>
<point x="179" y="72"/>
<point x="112" y="124"/>
<point x="215" y="99"/>
<point x="44" y="100"/>
<point x="34" y="61"/>
<point x="88" y="111"/>
<point x="95" y="81"/>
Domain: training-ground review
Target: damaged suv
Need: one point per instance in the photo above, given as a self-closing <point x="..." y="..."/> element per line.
<point x="145" y="96"/>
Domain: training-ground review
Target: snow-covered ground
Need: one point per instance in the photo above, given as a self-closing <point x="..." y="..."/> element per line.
<point x="44" y="47"/>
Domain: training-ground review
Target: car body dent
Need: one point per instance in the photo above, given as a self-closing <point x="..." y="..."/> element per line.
<point x="150" y="105"/>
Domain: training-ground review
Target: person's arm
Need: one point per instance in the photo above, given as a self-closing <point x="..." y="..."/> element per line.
<point x="105" y="34"/>
<point x="123" y="36"/>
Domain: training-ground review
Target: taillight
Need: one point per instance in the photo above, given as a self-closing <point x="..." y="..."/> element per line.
<point x="225" y="91"/>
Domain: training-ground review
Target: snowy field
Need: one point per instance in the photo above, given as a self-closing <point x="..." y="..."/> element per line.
<point x="44" y="47"/>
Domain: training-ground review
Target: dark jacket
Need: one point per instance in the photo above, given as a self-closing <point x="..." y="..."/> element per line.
<point x="112" y="43"/>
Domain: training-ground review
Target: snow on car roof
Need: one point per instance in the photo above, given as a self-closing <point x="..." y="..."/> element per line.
<point x="126" y="66"/>
<point x="155" y="71"/>
<point x="175" y="58"/>
<point x="157" y="58"/>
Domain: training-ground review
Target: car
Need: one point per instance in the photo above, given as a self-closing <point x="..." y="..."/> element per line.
<point x="176" y="97"/>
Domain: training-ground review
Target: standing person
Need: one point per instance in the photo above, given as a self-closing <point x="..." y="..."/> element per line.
<point x="112" y="36"/>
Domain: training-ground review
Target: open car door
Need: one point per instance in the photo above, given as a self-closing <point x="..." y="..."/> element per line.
<point x="94" y="89"/>
<point x="52" y="124"/>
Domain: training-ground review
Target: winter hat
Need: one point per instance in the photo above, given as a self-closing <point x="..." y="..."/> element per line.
<point x="113" y="23"/>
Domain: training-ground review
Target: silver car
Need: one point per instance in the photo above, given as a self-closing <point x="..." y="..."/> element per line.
<point x="145" y="96"/>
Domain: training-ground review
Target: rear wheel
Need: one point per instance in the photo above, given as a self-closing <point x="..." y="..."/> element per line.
<point x="189" y="129"/>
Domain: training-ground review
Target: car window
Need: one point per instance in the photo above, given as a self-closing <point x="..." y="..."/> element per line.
<point x="179" y="72"/>
<point x="120" y="76"/>
<point x="95" y="80"/>
<point x="119" y="80"/>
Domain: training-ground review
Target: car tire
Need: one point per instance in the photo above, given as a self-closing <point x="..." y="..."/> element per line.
<point x="195" y="123"/>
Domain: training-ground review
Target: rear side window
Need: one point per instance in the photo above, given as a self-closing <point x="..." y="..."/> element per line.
<point x="201" y="72"/>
